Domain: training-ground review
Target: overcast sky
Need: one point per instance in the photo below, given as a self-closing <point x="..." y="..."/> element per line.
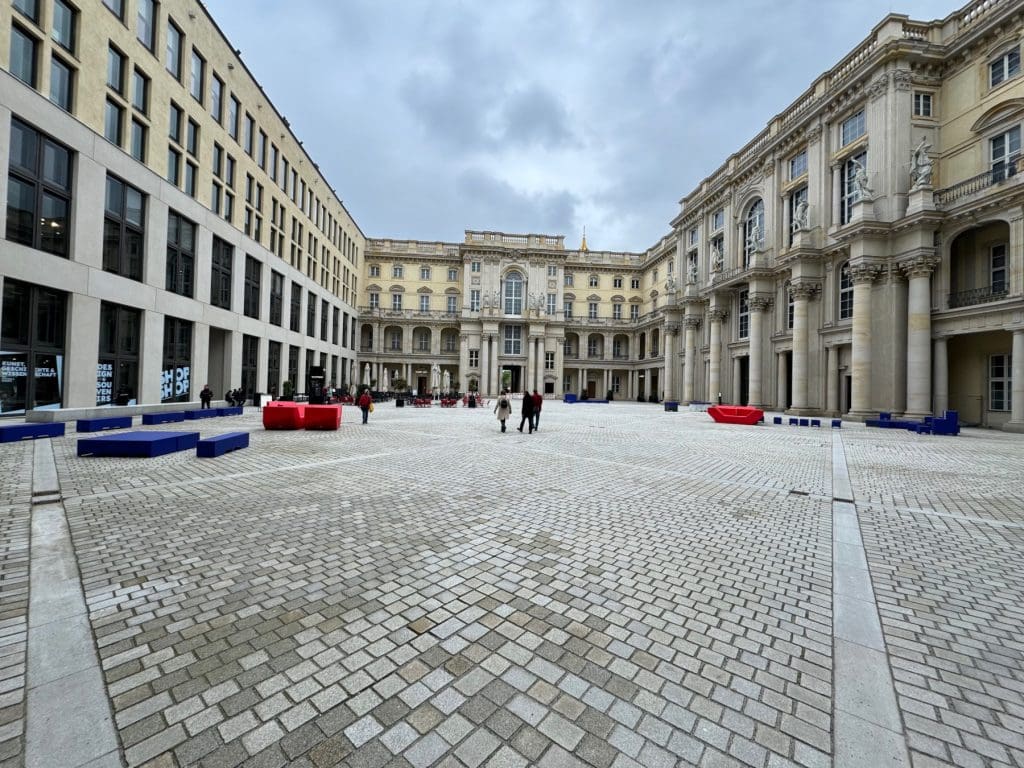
<point x="543" y="116"/>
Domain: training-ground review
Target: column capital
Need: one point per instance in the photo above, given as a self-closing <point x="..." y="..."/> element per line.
<point x="864" y="273"/>
<point x="692" y="322"/>
<point x="759" y="303"/>
<point x="672" y="329"/>
<point x="718" y="315"/>
<point x="804" y="291"/>
<point x="919" y="266"/>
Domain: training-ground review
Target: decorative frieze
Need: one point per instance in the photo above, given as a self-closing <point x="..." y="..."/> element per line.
<point x="878" y="87"/>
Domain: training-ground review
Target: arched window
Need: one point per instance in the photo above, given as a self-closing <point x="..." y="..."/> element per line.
<point x="845" y="293"/>
<point x="513" y="293"/>
<point x="753" y="230"/>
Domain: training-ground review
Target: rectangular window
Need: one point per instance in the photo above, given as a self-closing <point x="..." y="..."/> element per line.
<point x="113" y="120"/>
<point x="396" y="302"/>
<point x="634" y="283"/>
<point x="693" y="237"/>
<point x="250" y="363"/>
<point x="336" y="316"/>
<point x="192" y="138"/>
<point x="594" y="281"/>
<point x="273" y="366"/>
<point x="30" y="8"/>
<point x="233" y="108"/>
<point x="1005" y="67"/>
<point x="324" y="315"/>
<point x="145" y="23"/>
<point x="38" y="190"/>
<point x="616" y="311"/>
<point x="116" y="7"/>
<point x="217" y="98"/>
<point x="424" y="273"/>
<point x="790" y="308"/>
<point x="117" y="370"/>
<point x="852" y="128"/>
<point x="634" y="311"/>
<point x="567" y="279"/>
<point x="718" y="219"/>
<point x="592" y="310"/>
<point x="397" y="271"/>
<point x="374" y="300"/>
<point x="999" y="382"/>
<point x="743" y="317"/>
<point x="1005" y="154"/>
<point x="220" y="273"/>
<point x="845" y="293"/>
<point x="593" y="348"/>
<point x="549" y="361"/>
<point x="173" y="54"/>
<point x="197" y="77"/>
<point x="311" y="315"/>
<point x="798" y="165"/>
<point x="261" y="151"/>
<point x="176" y="378"/>
<point x="62" y="83"/>
<point x="474" y="300"/>
<point x="474" y="358"/>
<point x="174" y="123"/>
<point x="140" y="92"/>
<point x="424" y="303"/>
<point x="253" y="276"/>
<point x="181" y="258"/>
<point x="250" y="130"/>
<point x="375" y="270"/>
<point x="65" y="20"/>
<point x="552" y="270"/>
<point x="922" y="104"/>
<point x="513" y="340"/>
<point x="997" y="269"/>
<point x="452" y="304"/>
<point x="276" y="298"/>
<point x="295" y="316"/>
<point x="552" y="303"/>
<point x="453" y="275"/>
<point x="567" y="308"/>
<point x="191" y="173"/>
<point x="23" y="56"/>
<point x="850" y="192"/>
<point x="616" y="282"/>
<point x="34" y="323"/>
<point x="123" y="229"/>
<point x="474" y="266"/>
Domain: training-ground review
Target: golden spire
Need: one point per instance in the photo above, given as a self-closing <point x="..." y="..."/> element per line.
<point x="583" y="245"/>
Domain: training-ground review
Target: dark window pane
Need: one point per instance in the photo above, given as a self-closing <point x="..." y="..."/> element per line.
<point x="115" y="196"/>
<point x="24" y="143"/>
<point x="60" y="84"/>
<point x="50" y="318"/>
<point x="47" y="377"/>
<point x="54" y="223"/>
<point x="23" y="56"/>
<point x="20" y="211"/>
<point x="133" y="206"/>
<point x="111" y="246"/>
<point x="16" y="322"/>
<point x="133" y="254"/>
<point x="108" y="329"/>
<point x="56" y="165"/>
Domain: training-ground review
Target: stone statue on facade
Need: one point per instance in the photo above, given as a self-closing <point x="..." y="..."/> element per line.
<point x="800" y="216"/>
<point x="691" y="272"/>
<point x="670" y="283"/>
<point x="716" y="258"/>
<point x="860" y="181"/>
<point x="754" y="238"/>
<point x="920" y="165"/>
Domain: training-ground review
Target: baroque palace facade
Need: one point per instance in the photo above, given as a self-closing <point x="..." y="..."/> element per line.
<point x="863" y="253"/>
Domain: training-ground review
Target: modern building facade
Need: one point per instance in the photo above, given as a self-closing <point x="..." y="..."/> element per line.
<point x="165" y="229"/>
<point x="863" y="253"/>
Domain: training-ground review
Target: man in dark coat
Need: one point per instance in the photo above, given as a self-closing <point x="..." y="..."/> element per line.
<point x="538" y="403"/>
<point x="205" y="396"/>
<point x="527" y="411"/>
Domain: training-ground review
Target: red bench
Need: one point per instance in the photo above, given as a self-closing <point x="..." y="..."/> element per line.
<point x="323" y="416"/>
<point x="282" y="414"/>
<point x="735" y="414"/>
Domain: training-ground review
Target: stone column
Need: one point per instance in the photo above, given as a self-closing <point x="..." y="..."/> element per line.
<point x="737" y="367"/>
<point x="919" y="336"/>
<point x="463" y="378"/>
<point x="559" y="366"/>
<point x="582" y="386"/>
<point x="802" y="293"/>
<point x="485" y="361"/>
<point x="940" y="363"/>
<point x="495" y="372"/>
<point x="837" y="186"/>
<point x="832" y="385"/>
<point x="715" y="370"/>
<point x="690" y="361"/>
<point x="758" y="306"/>
<point x="782" y="393"/>
<point x="1016" y="422"/>
<point x="671" y="334"/>
<point x="863" y="276"/>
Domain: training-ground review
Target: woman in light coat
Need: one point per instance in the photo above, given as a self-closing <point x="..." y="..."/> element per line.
<point x="503" y="411"/>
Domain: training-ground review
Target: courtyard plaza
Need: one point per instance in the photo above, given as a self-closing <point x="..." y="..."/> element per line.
<point x="626" y="587"/>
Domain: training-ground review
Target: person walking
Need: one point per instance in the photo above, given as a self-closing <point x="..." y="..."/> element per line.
<point x="365" y="403"/>
<point x="538" y="403"/>
<point x="205" y="396"/>
<point x="503" y="408"/>
<point x="527" y="411"/>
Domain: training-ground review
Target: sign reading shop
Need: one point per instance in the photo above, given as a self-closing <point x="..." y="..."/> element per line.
<point x="175" y="383"/>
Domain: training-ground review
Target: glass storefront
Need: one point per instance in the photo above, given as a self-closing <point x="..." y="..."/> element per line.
<point x="176" y="377"/>
<point x="32" y="332"/>
<point x="117" y="369"/>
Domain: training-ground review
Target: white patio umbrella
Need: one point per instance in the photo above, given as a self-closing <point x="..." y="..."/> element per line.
<point x="435" y="376"/>
<point x="366" y="374"/>
<point x="386" y="385"/>
<point x="447" y="381"/>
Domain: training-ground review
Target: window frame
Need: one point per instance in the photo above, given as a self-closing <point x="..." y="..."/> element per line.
<point x="252" y="287"/>
<point x="222" y="260"/>
<point x="180" y="261"/>
<point x="125" y="229"/>
<point x="853" y="127"/>
<point x="1008" y="63"/>
<point x="43" y="188"/>
<point x="844" y="302"/>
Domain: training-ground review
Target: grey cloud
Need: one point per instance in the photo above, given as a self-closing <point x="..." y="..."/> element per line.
<point x="494" y="204"/>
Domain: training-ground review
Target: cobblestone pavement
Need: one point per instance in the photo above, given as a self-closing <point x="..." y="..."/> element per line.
<point x="626" y="587"/>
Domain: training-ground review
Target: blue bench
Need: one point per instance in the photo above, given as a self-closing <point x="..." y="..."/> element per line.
<point x="12" y="433"/>
<point x="815" y="422"/>
<point x="230" y="411"/>
<point x="106" y="422"/>
<point x="776" y="420"/>
<point x="162" y="418"/>
<point x="204" y="413"/>
<point x="947" y="424"/>
<point x="837" y="423"/>
<point x="212" y="447"/>
<point x="672" y="405"/>
<point x="147" y="444"/>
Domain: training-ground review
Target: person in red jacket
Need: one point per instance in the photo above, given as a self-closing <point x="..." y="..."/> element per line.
<point x="364" y="402"/>
<point x="538" y="402"/>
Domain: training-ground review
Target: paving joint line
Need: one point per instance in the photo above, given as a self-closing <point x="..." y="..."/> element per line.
<point x="68" y="719"/>
<point x="866" y="725"/>
<point x="936" y="513"/>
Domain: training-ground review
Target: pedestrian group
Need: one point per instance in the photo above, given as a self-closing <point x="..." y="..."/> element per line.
<point x="530" y="411"/>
